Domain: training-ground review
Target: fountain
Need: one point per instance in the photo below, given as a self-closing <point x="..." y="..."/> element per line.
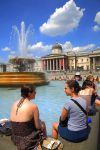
<point x="22" y="38"/>
<point x="22" y="65"/>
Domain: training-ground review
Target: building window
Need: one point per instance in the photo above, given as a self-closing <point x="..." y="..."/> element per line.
<point x="72" y="67"/>
<point x="97" y="59"/>
<point x="87" y="67"/>
<point x="82" y="60"/>
<point x="87" y="59"/>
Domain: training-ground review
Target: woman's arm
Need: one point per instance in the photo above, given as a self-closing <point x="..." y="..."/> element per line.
<point x="97" y="102"/>
<point x="64" y="114"/>
<point x="36" y="118"/>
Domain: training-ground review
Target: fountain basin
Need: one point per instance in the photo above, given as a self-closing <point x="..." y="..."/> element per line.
<point x="16" y="79"/>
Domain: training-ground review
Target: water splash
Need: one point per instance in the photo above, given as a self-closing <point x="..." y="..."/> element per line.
<point x="22" y="38"/>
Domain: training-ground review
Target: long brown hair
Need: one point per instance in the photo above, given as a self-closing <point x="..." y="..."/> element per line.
<point x="74" y="84"/>
<point x="25" y="90"/>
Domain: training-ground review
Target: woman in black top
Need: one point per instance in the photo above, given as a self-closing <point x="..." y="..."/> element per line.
<point x="27" y="128"/>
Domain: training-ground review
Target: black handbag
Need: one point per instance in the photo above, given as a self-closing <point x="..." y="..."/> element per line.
<point x="63" y="123"/>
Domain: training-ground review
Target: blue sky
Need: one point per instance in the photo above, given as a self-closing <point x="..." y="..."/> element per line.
<point x="74" y="23"/>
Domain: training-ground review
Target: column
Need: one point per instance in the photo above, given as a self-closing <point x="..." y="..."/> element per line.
<point x="50" y="64"/>
<point x="63" y="64"/>
<point x="60" y="63"/>
<point x="43" y="65"/>
<point x="93" y="64"/>
<point x="75" y="63"/>
<point x="47" y="65"/>
<point x="53" y="64"/>
<point x="90" y="66"/>
<point x="56" y="64"/>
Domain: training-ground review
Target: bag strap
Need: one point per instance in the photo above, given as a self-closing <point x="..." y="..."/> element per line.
<point x="80" y="106"/>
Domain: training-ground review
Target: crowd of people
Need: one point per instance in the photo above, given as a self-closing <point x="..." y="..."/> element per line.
<point x="28" y="131"/>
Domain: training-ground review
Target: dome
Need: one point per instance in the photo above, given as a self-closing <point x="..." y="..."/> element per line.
<point x="57" y="49"/>
<point x="57" y="46"/>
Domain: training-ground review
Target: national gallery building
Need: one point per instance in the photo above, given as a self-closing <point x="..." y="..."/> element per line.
<point x="58" y="61"/>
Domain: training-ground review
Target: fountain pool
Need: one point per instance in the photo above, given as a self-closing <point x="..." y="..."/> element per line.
<point x="49" y="98"/>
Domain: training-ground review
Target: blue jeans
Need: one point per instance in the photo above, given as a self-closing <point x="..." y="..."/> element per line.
<point x="74" y="136"/>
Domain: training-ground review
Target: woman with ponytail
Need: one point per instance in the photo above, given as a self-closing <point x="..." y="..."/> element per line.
<point x="27" y="128"/>
<point x="75" y="129"/>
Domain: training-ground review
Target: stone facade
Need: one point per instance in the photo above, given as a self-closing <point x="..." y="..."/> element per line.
<point x="38" y="65"/>
<point x="3" y="67"/>
<point x="71" y="61"/>
<point x="57" y="61"/>
<point x="79" y="62"/>
<point x="95" y="60"/>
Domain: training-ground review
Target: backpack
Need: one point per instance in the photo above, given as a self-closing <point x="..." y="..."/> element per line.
<point x="5" y="129"/>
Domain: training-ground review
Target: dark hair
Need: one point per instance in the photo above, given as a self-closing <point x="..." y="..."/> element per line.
<point x="89" y="77"/>
<point x="74" y="84"/>
<point x="88" y="83"/>
<point x="26" y="89"/>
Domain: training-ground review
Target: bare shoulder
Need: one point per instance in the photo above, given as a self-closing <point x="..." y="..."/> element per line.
<point x="15" y="104"/>
<point x="85" y="92"/>
<point x="34" y="107"/>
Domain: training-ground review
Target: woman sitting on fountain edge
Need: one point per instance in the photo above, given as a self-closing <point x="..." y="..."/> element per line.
<point x="27" y="128"/>
<point x="76" y="129"/>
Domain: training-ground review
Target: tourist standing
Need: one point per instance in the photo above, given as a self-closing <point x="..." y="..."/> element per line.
<point x="91" y="78"/>
<point x="77" y="76"/>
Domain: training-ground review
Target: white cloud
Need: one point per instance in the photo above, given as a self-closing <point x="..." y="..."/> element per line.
<point x="96" y="28"/>
<point x="11" y="56"/>
<point x="63" y="20"/>
<point x="12" y="52"/>
<point x="97" y="20"/>
<point x="39" y="47"/>
<point x="88" y="47"/>
<point x="6" y="49"/>
<point x="68" y="47"/>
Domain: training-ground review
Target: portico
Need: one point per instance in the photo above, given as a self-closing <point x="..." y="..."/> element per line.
<point x="54" y="62"/>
